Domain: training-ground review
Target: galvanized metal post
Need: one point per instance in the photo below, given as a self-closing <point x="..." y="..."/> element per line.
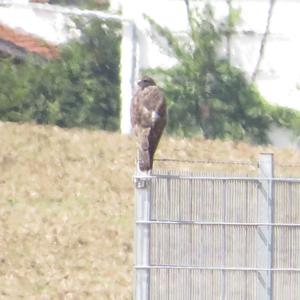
<point x="264" y="246"/>
<point x="142" y="237"/>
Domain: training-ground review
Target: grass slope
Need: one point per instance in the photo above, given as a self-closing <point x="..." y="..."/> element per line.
<point x="66" y="207"/>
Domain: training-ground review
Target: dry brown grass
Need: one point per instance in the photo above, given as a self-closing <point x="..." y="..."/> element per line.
<point x="66" y="208"/>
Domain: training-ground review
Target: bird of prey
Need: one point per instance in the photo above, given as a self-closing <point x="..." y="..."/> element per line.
<point x="148" y="120"/>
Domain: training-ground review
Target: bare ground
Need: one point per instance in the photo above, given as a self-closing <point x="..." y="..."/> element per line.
<point x="66" y="207"/>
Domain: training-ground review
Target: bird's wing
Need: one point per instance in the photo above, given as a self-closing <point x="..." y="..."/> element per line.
<point x="148" y="118"/>
<point x="153" y="99"/>
<point x="151" y="106"/>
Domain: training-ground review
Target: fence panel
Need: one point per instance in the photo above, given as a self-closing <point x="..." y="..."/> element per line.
<point x="286" y="248"/>
<point x="209" y="238"/>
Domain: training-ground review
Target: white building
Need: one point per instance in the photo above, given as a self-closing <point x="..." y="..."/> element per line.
<point x="279" y="74"/>
<point x="278" y="78"/>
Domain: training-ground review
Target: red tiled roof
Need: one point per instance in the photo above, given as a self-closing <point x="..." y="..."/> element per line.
<point x="28" y="43"/>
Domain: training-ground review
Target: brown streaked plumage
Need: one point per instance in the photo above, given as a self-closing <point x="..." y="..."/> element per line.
<point x="148" y="120"/>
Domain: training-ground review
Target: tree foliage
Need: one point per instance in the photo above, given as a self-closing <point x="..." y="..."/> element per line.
<point x="14" y="100"/>
<point x="80" y="88"/>
<point x="90" y="4"/>
<point x="206" y="93"/>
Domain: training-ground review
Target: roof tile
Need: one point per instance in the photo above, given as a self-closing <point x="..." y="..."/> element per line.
<point x="28" y="42"/>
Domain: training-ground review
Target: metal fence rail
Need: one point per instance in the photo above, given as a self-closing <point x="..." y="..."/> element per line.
<point x="210" y="237"/>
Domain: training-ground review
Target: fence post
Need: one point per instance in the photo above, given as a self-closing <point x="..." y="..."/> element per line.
<point x="142" y="236"/>
<point x="264" y="246"/>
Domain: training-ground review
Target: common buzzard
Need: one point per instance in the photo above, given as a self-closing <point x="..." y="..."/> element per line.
<point x="148" y="120"/>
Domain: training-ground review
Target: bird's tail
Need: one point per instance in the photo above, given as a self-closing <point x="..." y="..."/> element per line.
<point x="145" y="160"/>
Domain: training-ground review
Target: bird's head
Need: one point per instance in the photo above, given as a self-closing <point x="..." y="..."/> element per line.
<point x="146" y="81"/>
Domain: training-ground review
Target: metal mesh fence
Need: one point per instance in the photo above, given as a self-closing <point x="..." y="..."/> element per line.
<point x="202" y="239"/>
<point x="221" y="237"/>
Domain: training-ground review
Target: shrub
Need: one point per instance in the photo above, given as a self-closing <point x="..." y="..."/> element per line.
<point x="206" y="93"/>
<point x="80" y="88"/>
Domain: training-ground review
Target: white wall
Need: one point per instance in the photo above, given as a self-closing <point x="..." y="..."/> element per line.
<point x="279" y="76"/>
<point x="48" y="25"/>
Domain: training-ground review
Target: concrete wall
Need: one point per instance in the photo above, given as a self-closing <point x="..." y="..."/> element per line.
<point x="279" y="76"/>
<point x="278" y="79"/>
